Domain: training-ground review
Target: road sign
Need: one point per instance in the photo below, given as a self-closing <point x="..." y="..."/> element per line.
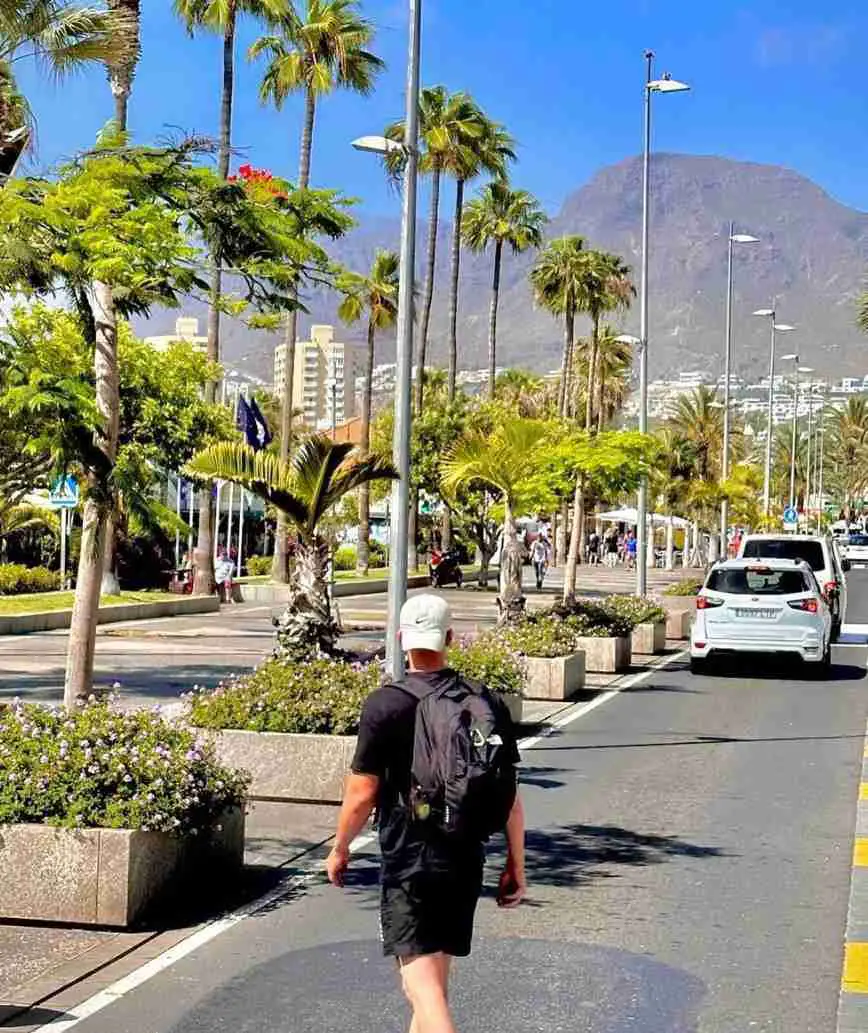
<point x="791" y="515"/>
<point x="64" y="493"/>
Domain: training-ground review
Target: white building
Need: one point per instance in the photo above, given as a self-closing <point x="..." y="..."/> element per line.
<point x="186" y="329"/>
<point x="323" y="379"/>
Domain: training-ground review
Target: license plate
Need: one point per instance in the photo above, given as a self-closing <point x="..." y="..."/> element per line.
<point x="757" y="614"/>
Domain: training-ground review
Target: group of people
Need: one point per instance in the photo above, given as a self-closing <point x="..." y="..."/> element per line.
<point x="225" y="563"/>
<point x="614" y="548"/>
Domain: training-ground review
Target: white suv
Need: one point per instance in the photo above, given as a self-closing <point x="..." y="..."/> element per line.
<point x="761" y="606"/>
<point x="819" y="552"/>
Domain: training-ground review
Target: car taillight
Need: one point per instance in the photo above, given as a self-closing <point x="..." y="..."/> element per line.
<point x="808" y="605"/>
<point x="703" y="602"/>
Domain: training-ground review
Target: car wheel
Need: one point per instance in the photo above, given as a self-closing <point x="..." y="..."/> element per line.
<point x="699" y="665"/>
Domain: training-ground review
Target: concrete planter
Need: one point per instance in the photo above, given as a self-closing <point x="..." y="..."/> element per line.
<point x="605" y="655"/>
<point x="649" y="638"/>
<point x="289" y="767"/>
<point x="678" y="623"/>
<point x="109" y="877"/>
<point x="554" y="678"/>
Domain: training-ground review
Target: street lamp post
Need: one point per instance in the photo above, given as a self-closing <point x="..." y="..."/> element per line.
<point x="666" y="84"/>
<point x="822" y="451"/>
<point x="776" y="328"/>
<point x="734" y="238"/>
<point x="795" y="359"/>
<point x="399" y="528"/>
<point x="808" y="370"/>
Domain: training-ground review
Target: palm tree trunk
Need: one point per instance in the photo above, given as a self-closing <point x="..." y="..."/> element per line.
<point x="453" y="293"/>
<point x="601" y="387"/>
<point x="575" y="540"/>
<point x="203" y="561"/>
<point x="307" y="626"/>
<point x="561" y="543"/>
<point x="121" y="94"/>
<point x="412" y="525"/>
<point x="429" y="289"/>
<point x="109" y="584"/>
<point x="567" y="363"/>
<point x="592" y="372"/>
<point x="363" y="550"/>
<point x="511" y="599"/>
<point x="280" y="564"/>
<point x="82" y="632"/>
<point x="492" y="317"/>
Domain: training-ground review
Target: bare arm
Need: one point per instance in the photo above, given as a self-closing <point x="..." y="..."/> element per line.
<point x="513" y="884"/>
<point x="360" y="797"/>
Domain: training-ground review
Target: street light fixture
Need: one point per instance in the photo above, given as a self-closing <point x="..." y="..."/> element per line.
<point x="795" y="359"/>
<point x="665" y="84"/>
<point x="776" y="328"/>
<point x="734" y="238"/>
<point x="377" y="145"/>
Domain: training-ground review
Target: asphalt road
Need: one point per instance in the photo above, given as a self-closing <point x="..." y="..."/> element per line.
<point x="689" y="859"/>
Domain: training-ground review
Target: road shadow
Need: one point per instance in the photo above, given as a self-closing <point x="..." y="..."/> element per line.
<point x="20" y="1016"/>
<point x="541" y="777"/>
<point x="759" y="667"/>
<point x="692" y="739"/>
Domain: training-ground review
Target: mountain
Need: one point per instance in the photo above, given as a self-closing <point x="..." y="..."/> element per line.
<point x="812" y="257"/>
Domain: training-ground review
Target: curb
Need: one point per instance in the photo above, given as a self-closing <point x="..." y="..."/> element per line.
<point x="56" y="620"/>
<point x="853" y="1002"/>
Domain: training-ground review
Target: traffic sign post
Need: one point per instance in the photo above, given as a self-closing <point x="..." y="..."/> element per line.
<point x="64" y="495"/>
<point x="791" y="518"/>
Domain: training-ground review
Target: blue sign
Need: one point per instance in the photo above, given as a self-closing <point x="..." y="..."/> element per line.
<point x="64" y="493"/>
<point x="791" y="515"/>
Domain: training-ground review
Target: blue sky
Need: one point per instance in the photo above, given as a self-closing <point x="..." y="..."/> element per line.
<point x="776" y="81"/>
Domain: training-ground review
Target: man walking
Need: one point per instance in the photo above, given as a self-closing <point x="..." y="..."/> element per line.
<point x="539" y="555"/>
<point x="432" y="834"/>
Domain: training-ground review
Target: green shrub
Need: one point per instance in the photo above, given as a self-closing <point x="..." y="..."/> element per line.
<point x="258" y="565"/>
<point x="635" y="609"/>
<point x="16" y="579"/>
<point x="324" y="696"/>
<point x="490" y="661"/>
<point x="590" y="617"/>
<point x="103" y="768"/>
<point x="686" y="586"/>
<point x="345" y="556"/>
<point x="544" y="637"/>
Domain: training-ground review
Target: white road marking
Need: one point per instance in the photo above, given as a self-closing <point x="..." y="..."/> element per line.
<point x="309" y="871"/>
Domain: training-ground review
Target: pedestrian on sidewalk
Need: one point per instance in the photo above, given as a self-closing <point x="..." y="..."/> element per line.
<point x="593" y="548"/>
<point x="611" y="548"/>
<point x="432" y="833"/>
<point x="631" y="550"/>
<point x="540" y="554"/>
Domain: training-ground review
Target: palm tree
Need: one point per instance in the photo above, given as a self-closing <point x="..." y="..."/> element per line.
<point x="122" y="69"/>
<point x="501" y="216"/>
<point x="499" y="460"/>
<point x="488" y="155"/>
<point x="377" y="295"/>
<point x="526" y="394"/>
<point x="322" y="50"/>
<point x="614" y="362"/>
<point x="558" y="279"/>
<point x="605" y="287"/>
<point x="848" y="442"/>
<point x="698" y="419"/>
<point x="319" y="475"/>
<point x="451" y="128"/>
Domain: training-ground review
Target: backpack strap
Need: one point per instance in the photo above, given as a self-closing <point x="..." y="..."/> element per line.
<point x="418" y="687"/>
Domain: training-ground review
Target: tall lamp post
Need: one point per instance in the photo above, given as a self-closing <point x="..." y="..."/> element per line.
<point x="776" y="328"/>
<point x="734" y="238"/>
<point x="808" y="370"/>
<point x="666" y="84"/>
<point x="795" y="360"/>
<point x="401" y="436"/>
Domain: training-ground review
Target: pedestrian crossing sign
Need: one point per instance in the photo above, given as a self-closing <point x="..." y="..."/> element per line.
<point x="64" y="493"/>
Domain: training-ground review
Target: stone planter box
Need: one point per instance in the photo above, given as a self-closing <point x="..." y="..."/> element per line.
<point x="554" y="678"/>
<point x="289" y="767"/>
<point x="606" y="655"/>
<point x="649" y="638"/>
<point x="678" y="623"/>
<point x="110" y="877"/>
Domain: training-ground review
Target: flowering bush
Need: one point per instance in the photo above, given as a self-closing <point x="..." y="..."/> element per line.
<point x="686" y="586"/>
<point x="491" y="661"/>
<point x="259" y="184"/>
<point x="635" y="609"/>
<point x="258" y="565"/>
<point x="545" y="637"/>
<point x="592" y="618"/>
<point x="15" y="579"/>
<point x="102" y="768"/>
<point x="281" y="695"/>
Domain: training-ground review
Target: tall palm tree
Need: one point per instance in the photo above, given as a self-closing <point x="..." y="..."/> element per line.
<point x="605" y="287"/>
<point x="558" y="279"/>
<point x="499" y="460"/>
<point x="319" y="475"/>
<point x="489" y="155"/>
<point x="848" y="442"/>
<point x="377" y="295"/>
<point x="451" y="127"/>
<point x="315" y="52"/>
<point x="526" y="394"/>
<point x="614" y="362"/>
<point x="502" y="216"/>
<point x="122" y="69"/>
<point x="220" y="17"/>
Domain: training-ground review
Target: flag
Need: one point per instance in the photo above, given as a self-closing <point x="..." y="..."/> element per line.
<point x="263" y="433"/>
<point x="251" y="423"/>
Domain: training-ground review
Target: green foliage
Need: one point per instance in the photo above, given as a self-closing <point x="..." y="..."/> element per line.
<point x="345" y="556"/>
<point x="259" y="565"/>
<point x="102" y="768"/>
<point x="635" y="609"/>
<point x="686" y="586"/>
<point x="490" y="661"/>
<point x="540" y="636"/>
<point x="16" y="579"/>
<point x="501" y="215"/>
<point x="320" y="696"/>
<point x="596" y="617"/>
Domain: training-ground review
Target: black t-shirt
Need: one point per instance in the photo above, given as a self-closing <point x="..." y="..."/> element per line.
<point x="385" y="749"/>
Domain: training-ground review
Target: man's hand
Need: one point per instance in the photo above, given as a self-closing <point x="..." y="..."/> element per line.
<point x="512" y="886"/>
<point x="337" y="863"/>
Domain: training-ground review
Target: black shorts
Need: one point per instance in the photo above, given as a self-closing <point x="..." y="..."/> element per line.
<point x="430" y="913"/>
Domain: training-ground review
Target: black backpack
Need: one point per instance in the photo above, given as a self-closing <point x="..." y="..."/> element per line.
<point x="462" y="779"/>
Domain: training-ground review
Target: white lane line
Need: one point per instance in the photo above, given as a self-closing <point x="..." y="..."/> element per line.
<point x="309" y="871"/>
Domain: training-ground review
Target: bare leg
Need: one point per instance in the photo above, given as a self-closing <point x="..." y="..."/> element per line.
<point x="426" y="984"/>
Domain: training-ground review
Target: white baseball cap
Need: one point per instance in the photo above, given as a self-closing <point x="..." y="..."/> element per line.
<point x="425" y="622"/>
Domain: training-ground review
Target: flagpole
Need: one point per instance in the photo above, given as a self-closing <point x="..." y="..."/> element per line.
<point x="241" y="510"/>
<point x="177" y="530"/>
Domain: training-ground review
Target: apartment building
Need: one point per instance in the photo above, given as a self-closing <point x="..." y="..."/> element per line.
<point x="323" y="379"/>
<point x="186" y="329"/>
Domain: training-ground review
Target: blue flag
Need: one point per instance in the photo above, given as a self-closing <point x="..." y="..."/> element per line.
<point x="252" y="424"/>
<point x="263" y="433"/>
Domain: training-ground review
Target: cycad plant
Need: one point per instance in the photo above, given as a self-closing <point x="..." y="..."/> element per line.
<point x="318" y="476"/>
<point x="377" y="296"/>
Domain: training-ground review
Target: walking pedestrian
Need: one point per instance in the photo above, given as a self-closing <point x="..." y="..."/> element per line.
<point x="593" y="548"/>
<point x="630" y="549"/>
<point x="540" y="553"/>
<point x="432" y="833"/>
<point x="611" y="548"/>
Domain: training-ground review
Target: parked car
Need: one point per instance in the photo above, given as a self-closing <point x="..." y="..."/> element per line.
<point x="770" y="606"/>
<point x="819" y="552"/>
<point x="855" y="550"/>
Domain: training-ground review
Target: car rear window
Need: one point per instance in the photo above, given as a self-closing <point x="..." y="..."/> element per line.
<point x="858" y="539"/>
<point x="758" y="581"/>
<point x="786" y="549"/>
